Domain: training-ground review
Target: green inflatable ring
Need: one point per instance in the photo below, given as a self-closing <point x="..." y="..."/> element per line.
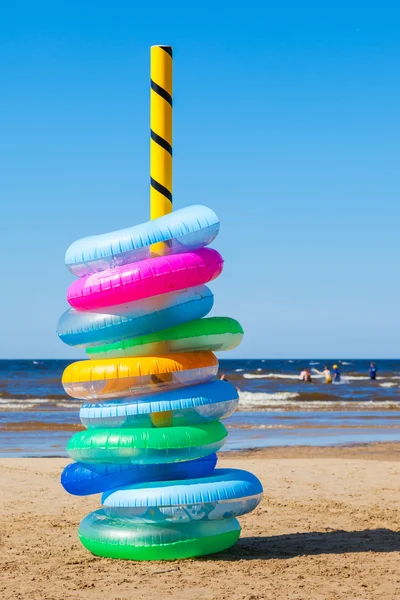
<point x="215" y="333"/>
<point x="104" y="536"/>
<point x="147" y="445"/>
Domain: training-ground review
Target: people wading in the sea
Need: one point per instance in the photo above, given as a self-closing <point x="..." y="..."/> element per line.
<point x="326" y="373"/>
<point x="336" y="374"/>
<point x="223" y="378"/>
<point x="372" y="371"/>
<point x="305" y="375"/>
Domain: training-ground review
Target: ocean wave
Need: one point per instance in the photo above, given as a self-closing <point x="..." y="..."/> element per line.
<point x="253" y="399"/>
<point x="388" y="384"/>
<point x="29" y="403"/>
<point x="14" y="405"/>
<point x="23" y="401"/>
<point x="357" y="378"/>
<point x="270" y="376"/>
<point x="281" y="400"/>
<point x="31" y="398"/>
<point x="314" y="363"/>
<point x="239" y="370"/>
<point x="343" y="362"/>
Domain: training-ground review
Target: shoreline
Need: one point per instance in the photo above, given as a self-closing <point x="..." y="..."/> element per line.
<point x="390" y="450"/>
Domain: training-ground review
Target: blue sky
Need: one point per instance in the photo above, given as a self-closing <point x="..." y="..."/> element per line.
<point x="286" y="123"/>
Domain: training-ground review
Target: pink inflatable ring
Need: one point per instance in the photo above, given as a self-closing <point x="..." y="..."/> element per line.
<point x="143" y="279"/>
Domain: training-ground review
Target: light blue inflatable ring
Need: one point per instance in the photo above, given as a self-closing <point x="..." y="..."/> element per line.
<point x="191" y="405"/>
<point x="107" y="325"/>
<point x="224" y="494"/>
<point x="183" y="230"/>
<point x="83" y="479"/>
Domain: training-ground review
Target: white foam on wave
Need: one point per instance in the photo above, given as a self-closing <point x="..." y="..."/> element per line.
<point x="28" y="403"/>
<point x="68" y="405"/>
<point x="23" y="401"/>
<point x="281" y="400"/>
<point x="254" y="399"/>
<point x="261" y="426"/>
<point x="11" y="405"/>
<point x="270" y="376"/>
<point x="357" y="378"/>
<point x="388" y="384"/>
<point x="239" y="370"/>
<point x="314" y="363"/>
<point x="343" y="362"/>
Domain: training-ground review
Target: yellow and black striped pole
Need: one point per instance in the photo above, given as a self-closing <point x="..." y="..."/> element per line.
<point x="160" y="131"/>
<point x="160" y="158"/>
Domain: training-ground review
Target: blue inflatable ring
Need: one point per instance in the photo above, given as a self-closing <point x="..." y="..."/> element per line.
<point x="108" y="325"/>
<point x="224" y="494"/>
<point x="186" y="406"/>
<point x="83" y="479"/>
<point x="183" y="230"/>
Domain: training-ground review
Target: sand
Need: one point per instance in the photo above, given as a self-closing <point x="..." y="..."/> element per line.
<point x="327" y="529"/>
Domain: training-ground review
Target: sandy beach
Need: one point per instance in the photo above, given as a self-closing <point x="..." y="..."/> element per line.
<point x="327" y="529"/>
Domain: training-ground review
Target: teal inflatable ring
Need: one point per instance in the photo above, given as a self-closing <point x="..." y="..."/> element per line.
<point x="146" y="445"/>
<point x="112" y="538"/>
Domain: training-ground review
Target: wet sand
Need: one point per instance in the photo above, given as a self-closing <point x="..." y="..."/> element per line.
<point x="328" y="528"/>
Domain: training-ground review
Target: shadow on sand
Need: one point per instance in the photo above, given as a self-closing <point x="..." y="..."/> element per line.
<point x="313" y="543"/>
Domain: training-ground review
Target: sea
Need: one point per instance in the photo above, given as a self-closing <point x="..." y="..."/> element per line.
<point x="276" y="409"/>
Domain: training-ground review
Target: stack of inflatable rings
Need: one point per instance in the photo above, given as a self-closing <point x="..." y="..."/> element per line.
<point x="152" y="404"/>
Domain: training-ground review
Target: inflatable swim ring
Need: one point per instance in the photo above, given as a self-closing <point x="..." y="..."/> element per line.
<point x="146" y="446"/>
<point x="125" y="321"/>
<point x="145" y="279"/>
<point x="114" y="538"/>
<point x="224" y="494"/>
<point x="118" y="377"/>
<point x="184" y="230"/>
<point x="215" y="333"/>
<point x="83" y="479"/>
<point x="201" y="403"/>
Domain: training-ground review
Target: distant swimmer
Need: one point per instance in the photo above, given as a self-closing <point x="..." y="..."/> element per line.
<point x="326" y="373"/>
<point x="222" y="377"/>
<point x="372" y="371"/>
<point x="336" y="374"/>
<point x="305" y="375"/>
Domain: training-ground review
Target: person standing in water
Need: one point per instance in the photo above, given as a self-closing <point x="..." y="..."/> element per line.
<point x="305" y="375"/>
<point x="222" y="377"/>
<point x="326" y="373"/>
<point x="372" y="371"/>
<point x="336" y="374"/>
